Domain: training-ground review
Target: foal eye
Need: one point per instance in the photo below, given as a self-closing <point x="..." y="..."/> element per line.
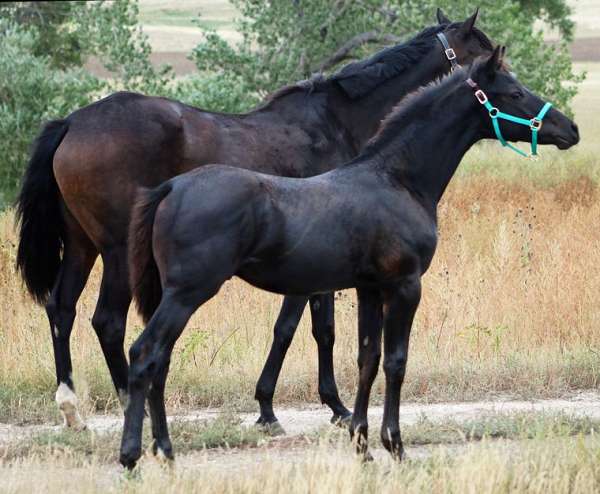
<point x="516" y="94"/>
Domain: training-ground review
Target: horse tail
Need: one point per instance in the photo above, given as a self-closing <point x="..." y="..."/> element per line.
<point x="39" y="216"/>
<point x="144" y="278"/>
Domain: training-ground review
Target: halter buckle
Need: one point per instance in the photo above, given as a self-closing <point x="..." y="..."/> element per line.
<point x="450" y="54"/>
<point x="535" y="124"/>
<point x="481" y="96"/>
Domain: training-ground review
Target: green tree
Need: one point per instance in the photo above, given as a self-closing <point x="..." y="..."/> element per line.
<point x="287" y="40"/>
<point x="31" y="90"/>
<point x="68" y="33"/>
<point x="44" y="46"/>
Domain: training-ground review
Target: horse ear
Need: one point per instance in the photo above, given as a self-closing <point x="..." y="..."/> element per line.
<point x="495" y="61"/>
<point x="469" y="23"/>
<point x="441" y="17"/>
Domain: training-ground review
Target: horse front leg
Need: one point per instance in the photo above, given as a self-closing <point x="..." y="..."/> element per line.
<point x="400" y="307"/>
<point x="323" y="330"/>
<point x="369" y="354"/>
<point x="285" y="328"/>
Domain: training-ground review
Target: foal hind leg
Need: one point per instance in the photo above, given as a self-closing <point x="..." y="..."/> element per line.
<point x="149" y="359"/>
<point x="110" y="317"/>
<point x="78" y="259"/>
<point x="323" y="330"/>
<point x="161" y="445"/>
<point x="285" y="327"/>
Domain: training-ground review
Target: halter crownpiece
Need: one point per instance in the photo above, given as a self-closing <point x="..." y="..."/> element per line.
<point x="448" y="52"/>
<point x="535" y="123"/>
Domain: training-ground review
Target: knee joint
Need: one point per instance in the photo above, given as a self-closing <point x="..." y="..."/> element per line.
<point x="324" y="334"/>
<point x="395" y="367"/>
<point x="109" y="330"/>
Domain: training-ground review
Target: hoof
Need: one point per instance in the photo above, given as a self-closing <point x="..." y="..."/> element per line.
<point x="131" y="452"/>
<point x="366" y="457"/>
<point x="163" y="455"/>
<point x="67" y="404"/>
<point x="271" y="428"/>
<point x="129" y="459"/>
<point x="343" y="422"/>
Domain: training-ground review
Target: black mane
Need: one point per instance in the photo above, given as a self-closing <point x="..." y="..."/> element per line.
<point x="416" y="104"/>
<point x="358" y="79"/>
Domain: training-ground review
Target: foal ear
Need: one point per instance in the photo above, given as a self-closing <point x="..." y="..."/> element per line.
<point x="441" y="17"/>
<point x="495" y="61"/>
<point x="469" y="23"/>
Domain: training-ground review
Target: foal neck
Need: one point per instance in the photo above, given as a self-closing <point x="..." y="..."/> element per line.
<point x="423" y="142"/>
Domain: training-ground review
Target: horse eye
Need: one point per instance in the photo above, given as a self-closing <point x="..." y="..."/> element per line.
<point x="516" y="94"/>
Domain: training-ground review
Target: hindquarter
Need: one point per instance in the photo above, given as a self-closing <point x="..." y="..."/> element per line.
<point x="205" y="226"/>
<point x="112" y="148"/>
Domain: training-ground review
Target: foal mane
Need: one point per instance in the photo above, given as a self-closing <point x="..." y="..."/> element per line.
<point x="360" y="78"/>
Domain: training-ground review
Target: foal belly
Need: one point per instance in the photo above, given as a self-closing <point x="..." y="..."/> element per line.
<point x="295" y="277"/>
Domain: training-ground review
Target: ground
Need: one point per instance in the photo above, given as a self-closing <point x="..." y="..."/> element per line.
<point x="501" y="393"/>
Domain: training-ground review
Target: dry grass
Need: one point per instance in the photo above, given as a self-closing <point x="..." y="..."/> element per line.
<point x="554" y="465"/>
<point x="510" y="305"/>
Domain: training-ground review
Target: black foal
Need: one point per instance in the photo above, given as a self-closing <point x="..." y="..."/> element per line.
<point x="370" y="224"/>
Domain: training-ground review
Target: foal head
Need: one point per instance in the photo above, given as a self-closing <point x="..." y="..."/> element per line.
<point x="506" y="95"/>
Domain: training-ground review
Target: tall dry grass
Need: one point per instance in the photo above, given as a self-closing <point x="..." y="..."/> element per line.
<point x="510" y="305"/>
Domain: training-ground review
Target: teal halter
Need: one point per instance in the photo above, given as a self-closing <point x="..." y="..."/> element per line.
<point x="535" y="124"/>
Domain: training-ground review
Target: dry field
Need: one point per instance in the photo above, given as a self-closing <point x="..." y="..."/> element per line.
<point x="510" y="311"/>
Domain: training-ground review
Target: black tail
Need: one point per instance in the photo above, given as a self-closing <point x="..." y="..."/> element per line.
<point x="41" y="232"/>
<point x="144" y="277"/>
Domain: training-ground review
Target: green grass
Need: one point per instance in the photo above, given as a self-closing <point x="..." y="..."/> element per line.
<point x="215" y="14"/>
<point x="186" y="436"/>
<point x="521" y="426"/>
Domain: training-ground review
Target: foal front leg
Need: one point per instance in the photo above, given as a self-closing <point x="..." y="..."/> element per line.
<point x="400" y="307"/>
<point x="369" y="354"/>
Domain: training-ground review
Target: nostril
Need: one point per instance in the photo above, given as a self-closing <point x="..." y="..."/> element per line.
<point x="574" y="128"/>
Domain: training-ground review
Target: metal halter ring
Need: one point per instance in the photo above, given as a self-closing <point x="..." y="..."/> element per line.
<point x="450" y="54"/>
<point x="535" y="124"/>
<point x="494" y="112"/>
<point x="481" y="96"/>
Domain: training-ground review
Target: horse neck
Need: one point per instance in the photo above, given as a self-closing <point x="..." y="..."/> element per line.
<point x="432" y="142"/>
<point x="361" y="118"/>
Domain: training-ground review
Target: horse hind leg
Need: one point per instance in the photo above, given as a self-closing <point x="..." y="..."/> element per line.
<point x="323" y="330"/>
<point x="78" y="260"/>
<point x="110" y="317"/>
<point x="285" y="327"/>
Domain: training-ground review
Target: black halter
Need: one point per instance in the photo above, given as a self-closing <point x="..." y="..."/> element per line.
<point x="449" y="52"/>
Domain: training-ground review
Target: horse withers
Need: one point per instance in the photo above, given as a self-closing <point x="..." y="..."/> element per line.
<point x="370" y="224"/>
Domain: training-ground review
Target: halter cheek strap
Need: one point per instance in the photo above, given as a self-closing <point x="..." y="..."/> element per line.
<point x="535" y="124"/>
<point x="448" y="52"/>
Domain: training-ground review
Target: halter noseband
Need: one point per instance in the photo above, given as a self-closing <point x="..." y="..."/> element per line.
<point x="535" y="124"/>
<point x="448" y="52"/>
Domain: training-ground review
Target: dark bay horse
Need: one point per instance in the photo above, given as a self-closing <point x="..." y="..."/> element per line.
<point x="85" y="169"/>
<point x="370" y="224"/>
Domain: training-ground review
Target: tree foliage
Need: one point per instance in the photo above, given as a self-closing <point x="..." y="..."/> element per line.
<point x="44" y="46"/>
<point x="289" y="40"/>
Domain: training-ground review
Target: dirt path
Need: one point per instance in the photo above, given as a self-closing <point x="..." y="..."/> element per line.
<point x="300" y="421"/>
